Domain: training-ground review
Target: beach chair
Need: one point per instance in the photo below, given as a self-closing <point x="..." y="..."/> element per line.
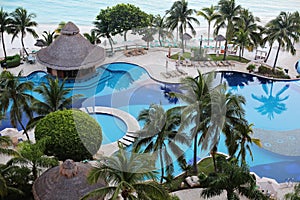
<point x="165" y="75"/>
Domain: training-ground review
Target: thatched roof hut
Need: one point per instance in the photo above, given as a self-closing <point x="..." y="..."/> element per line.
<point x="69" y="53"/>
<point x="64" y="182"/>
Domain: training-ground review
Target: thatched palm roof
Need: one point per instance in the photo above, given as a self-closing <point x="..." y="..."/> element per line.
<point x="187" y="36"/>
<point x="220" y="38"/>
<point x="71" y="51"/>
<point x="64" y="182"/>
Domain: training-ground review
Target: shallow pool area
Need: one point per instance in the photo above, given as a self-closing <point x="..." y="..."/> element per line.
<point x="272" y="106"/>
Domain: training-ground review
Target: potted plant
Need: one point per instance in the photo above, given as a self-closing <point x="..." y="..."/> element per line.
<point x="251" y="68"/>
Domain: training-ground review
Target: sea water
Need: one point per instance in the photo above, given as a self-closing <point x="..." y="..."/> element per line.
<point x="83" y="12"/>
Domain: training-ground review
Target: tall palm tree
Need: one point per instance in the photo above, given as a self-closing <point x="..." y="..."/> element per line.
<point x="159" y="23"/>
<point x="54" y="97"/>
<point x="16" y="96"/>
<point x="159" y="136"/>
<point x="93" y="37"/>
<point x="243" y="132"/>
<point x="195" y="113"/>
<point x="248" y="24"/>
<point x="126" y="172"/>
<point x="234" y="180"/>
<point x="210" y="15"/>
<point x="22" y="22"/>
<point x="48" y="37"/>
<point x="32" y="156"/>
<point x="5" y="22"/>
<point x="226" y="112"/>
<point x="284" y="29"/>
<point x="228" y="14"/>
<point x="181" y="16"/>
<point x="103" y="28"/>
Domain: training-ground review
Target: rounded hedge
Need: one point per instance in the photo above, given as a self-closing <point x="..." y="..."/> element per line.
<point x="72" y="134"/>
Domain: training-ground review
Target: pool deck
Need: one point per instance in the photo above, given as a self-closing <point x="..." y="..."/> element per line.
<point x="155" y="62"/>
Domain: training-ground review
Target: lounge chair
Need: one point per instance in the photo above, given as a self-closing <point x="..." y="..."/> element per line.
<point x="166" y="75"/>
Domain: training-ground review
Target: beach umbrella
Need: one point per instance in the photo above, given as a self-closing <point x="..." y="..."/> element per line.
<point x="219" y="38"/>
<point x="186" y="37"/>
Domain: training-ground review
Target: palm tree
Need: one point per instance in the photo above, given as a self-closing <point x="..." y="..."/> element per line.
<point x="126" y="172"/>
<point x="5" y="187"/>
<point x="197" y="97"/>
<point x="5" y="22"/>
<point x="103" y="28"/>
<point x="22" y="23"/>
<point x="210" y="15"/>
<point x="48" y="37"/>
<point x="54" y="98"/>
<point x="228" y="14"/>
<point x="16" y="96"/>
<point x="226" y="112"/>
<point x="243" y="132"/>
<point x="32" y="155"/>
<point x="284" y="29"/>
<point x="160" y="25"/>
<point x="181" y="16"/>
<point x="60" y="27"/>
<point x="160" y="137"/>
<point x="234" y="180"/>
<point x="5" y="142"/>
<point x="248" y="23"/>
<point x="94" y="38"/>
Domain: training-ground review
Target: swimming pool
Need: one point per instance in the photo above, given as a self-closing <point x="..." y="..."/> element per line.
<point x="271" y="106"/>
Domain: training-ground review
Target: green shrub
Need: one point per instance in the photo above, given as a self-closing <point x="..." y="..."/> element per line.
<point x="251" y="67"/>
<point x="12" y="61"/>
<point x="268" y="71"/>
<point x="73" y="135"/>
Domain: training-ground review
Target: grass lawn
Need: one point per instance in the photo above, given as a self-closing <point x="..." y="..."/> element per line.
<point x="228" y="57"/>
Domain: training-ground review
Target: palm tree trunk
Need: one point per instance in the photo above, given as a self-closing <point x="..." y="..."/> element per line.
<point x="161" y="166"/>
<point x="208" y="36"/>
<point x="34" y="172"/>
<point x="3" y="45"/>
<point x="266" y="59"/>
<point x="160" y="44"/>
<point x="195" y="155"/>
<point x="240" y="54"/>
<point x="125" y="33"/>
<point x="24" y="129"/>
<point x="276" y="56"/>
<point x="182" y="43"/>
<point x="225" y="51"/>
<point x="22" y="42"/>
<point x="110" y="43"/>
<point x="213" y="155"/>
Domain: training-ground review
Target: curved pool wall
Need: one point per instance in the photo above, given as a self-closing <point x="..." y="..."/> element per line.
<point x="271" y="105"/>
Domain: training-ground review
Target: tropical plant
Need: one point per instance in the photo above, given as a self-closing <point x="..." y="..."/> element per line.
<point x="60" y="27"/>
<point x="209" y="14"/>
<point x="242" y="135"/>
<point x="247" y="27"/>
<point x="5" y="22"/>
<point x="294" y="195"/>
<point x="251" y="67"/>
<point x="22" y="22"/>
<point x="126" y="173"/>
<point x="5" y="142"/>
<point x="233" y="179"/>
<point x="93" y="37"/>
<point x="8" y="176"/>
<point x="54" y="97"/>
<point x="181" y="16"/>
<point x="32" y="156"/>
<point x="228" y="14"/>
<point x="160" y="25"/>
<point x="72" y="134"/>
<point x="159" y="136"/>
<point x="104" y="26"/>
<point x="226" y="112"/>
<point x="48" y="37"/>
<point x="195" y="113"/>
<point x="15" y="97"/>
<point x="284" y="29"/>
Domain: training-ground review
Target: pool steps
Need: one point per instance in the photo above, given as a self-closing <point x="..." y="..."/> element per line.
<point x="131" y="123"/>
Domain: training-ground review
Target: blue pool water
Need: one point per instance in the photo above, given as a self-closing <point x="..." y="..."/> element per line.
<point x="270" y="106"/>
<point x="113" y="128"/>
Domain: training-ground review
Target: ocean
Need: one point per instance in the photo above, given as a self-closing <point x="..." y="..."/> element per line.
<point x="83" y="12"/>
